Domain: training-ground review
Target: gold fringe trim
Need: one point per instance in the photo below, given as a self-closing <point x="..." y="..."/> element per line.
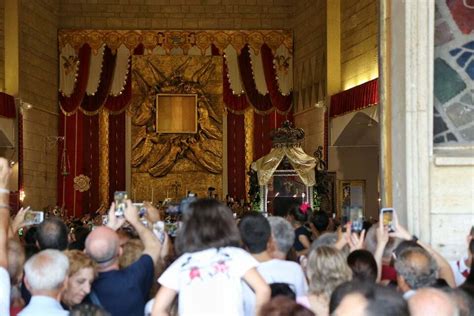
<point x="104" y="157"/>
<point x="248" y="127"/>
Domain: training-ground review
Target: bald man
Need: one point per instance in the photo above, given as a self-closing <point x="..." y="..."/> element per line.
<point x="429" y="301"/>
<point x="416" y="269"/>
<point x="122" y="292"/>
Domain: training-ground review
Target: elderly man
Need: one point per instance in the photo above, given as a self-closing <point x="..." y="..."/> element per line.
<point x="415" y="269"/>
<point x="126" y="291"/>
<point x="257" y="238"/>
<point x="284" y="236"/>
<point x="46" y="278"/>
<point x="431" y="301"/>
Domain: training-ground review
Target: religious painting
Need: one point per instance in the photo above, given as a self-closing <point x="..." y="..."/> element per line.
<point x="351" y="194"/>
<point x="176" y="113"/>
<point x="281" y="191"/>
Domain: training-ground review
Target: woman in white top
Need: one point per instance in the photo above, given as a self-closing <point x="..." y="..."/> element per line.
<point x="208" y="273"/>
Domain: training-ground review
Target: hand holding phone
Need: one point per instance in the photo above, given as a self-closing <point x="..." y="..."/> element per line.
<point x="388" y="218"/>
<point x="141" y="209"/>
<point x="120" y="197"/>
<point x="33" y="218"/>
<point x="357" y="219"/>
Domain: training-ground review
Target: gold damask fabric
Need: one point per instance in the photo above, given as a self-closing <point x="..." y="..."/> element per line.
<point x="300" y="161"/>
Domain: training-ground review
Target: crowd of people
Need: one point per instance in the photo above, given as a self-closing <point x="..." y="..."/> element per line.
<point x="298" y="264"/>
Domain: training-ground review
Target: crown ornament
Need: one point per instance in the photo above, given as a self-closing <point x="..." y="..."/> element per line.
<point x="287" y="135"/>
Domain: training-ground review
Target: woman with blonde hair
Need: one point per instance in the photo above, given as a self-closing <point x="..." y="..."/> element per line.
<point x="326" y="269"/>
<point x="82" y="272"/>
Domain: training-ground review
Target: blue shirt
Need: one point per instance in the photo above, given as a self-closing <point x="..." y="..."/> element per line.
<point x="43" y="305"/>
<point x="125" y="292"/>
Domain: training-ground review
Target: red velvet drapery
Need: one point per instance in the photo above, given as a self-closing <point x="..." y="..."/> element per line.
<point x="270" y="111"/>
<point x="355" y="99"/>
<point x="7" y="105"/>
<point x="79" y="124"/>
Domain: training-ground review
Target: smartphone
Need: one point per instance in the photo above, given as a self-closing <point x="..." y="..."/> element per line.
<point x="388" y="218"/>
<point x="140" y="209"/>
<point x="159" y="231"/>
<point x="357" y="219"/>
<point x="120" y="197"/>
<point x="33" y="218"/>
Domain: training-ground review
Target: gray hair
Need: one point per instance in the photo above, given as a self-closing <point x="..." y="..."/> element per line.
<point x="326" y="239"/>
<point x="46" y="270"/>
<point x="282" y="232"/>
<point x="418" y="272"/>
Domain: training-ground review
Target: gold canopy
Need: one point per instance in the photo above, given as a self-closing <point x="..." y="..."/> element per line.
<point x="300" y="161"/>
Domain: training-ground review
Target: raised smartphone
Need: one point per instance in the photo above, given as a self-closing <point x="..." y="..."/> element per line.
<point x="120" y="197"/>
<point x="357" y="219"/>
<point x="33" y="218"/>
<point x="388" y="218"/>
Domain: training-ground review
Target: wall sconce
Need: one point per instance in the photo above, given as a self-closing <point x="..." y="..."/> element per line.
<point x="321" y="104"/>
<point x="23" y="106"/>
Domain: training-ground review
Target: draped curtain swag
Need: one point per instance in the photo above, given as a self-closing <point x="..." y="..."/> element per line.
<point x="303" y="164"/>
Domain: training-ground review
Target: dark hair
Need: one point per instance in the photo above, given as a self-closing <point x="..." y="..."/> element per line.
<point x="284" y="306"/>
<point x="52" y="234"/>
<point x="469" y="283"/>
<point x="255" y="232"/>
<point x="298" y="215"/>
<point x="80" y="234"/>
<point x="30" y="235"/>
<point x="282" y="289"/>
<point x="363" y="265"/>
<point x="380" y="300"/>
<point x="207" y="224"/>
<point x="320" y="220"/>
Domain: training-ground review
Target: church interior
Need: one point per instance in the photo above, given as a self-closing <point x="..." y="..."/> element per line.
<point x="159" y="98"/>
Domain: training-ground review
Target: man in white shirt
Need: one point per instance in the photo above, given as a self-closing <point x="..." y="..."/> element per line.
<point x="462" y="267"/>
<point x="46" y="278"/>
<point x="257" y="238"/>
<point x="4" y="222"/>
